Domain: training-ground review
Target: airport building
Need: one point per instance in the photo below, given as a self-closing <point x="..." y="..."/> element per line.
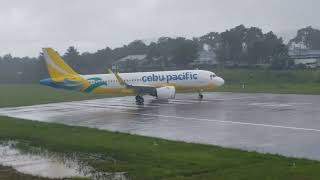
<point x="129" y="62"/>
<point x="306" y="57"/>
<point x="206" y="57"/>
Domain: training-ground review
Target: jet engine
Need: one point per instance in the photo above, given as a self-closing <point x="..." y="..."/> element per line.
<point x="166" y="92"/>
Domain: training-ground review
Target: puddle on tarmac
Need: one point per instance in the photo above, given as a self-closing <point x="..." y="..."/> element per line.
<point x="40" y="162"/>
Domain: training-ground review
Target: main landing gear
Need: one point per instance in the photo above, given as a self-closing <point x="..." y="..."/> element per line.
<point x="200" y="96"/>
<point x="139" y="99"/>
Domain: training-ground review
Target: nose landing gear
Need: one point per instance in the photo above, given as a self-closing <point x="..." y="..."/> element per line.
<point x="139" y="99"/>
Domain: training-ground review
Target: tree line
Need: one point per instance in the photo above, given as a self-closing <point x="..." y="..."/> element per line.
<point x="238" y="46"/>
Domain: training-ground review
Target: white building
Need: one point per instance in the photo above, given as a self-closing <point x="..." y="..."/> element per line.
<point x="309" y="58"/>
<point x="129" y="60"/>
<point x="206" y="57"/>
<point x="309" y="62"/>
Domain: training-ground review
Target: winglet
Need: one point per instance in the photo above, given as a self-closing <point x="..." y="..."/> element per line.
<point x="110" y="71"/>
<point x="121" y="81"/>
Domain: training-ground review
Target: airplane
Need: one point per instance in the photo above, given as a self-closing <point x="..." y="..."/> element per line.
<point x="160" y="84"/>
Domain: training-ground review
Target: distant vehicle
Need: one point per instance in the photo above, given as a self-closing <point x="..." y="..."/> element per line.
<point x="160" y="84"/>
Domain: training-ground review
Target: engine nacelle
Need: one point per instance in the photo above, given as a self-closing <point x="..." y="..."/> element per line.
<point x="166" y="92"/>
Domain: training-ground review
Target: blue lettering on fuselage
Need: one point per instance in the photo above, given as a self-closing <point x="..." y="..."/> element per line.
<point x="170" y="77"/>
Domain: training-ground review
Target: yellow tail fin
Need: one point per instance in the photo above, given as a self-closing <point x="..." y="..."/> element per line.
<point x="57" y="68"/>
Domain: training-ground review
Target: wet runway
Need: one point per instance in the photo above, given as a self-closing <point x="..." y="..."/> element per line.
<point x="281" y="124"/>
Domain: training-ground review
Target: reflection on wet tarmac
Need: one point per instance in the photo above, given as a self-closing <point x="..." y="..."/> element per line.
<point x="282" y="124"/>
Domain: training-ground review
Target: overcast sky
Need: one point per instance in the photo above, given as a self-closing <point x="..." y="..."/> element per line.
<point x="89" y="25"/>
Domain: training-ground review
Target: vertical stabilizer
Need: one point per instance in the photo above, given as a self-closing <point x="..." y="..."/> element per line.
<point x="57" y="68"/>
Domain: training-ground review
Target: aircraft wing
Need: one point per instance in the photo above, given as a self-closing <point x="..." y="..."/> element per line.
<point x="139" y="89"/>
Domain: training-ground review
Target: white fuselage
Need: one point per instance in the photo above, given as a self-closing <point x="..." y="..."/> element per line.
<point x="181" y="80"/>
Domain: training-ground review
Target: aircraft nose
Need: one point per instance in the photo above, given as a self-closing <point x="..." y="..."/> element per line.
<point x="219" y="81"/>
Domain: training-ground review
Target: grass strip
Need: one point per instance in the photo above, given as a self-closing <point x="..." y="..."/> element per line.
<point x="153" y="158"/>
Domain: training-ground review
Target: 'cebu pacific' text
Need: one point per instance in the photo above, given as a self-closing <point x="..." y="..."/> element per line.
<point x="170" y="77"/>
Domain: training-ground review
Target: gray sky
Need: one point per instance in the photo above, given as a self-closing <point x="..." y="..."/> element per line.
<point x="26" y="26"/>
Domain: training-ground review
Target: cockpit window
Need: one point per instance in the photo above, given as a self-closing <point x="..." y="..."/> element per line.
<point x="212" y="76"/>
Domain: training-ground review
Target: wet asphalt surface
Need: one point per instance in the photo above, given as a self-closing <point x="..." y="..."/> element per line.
<point x="279" y="124"/>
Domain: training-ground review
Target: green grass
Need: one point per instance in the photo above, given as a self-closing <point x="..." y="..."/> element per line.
<point x="258" y="76"/>
<point x="30" y="94"/>
<point x="267" y="81"/>
<point x="152" y="158"/>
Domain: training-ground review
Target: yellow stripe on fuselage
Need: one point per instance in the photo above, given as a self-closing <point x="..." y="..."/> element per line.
<point x="123" y="90"/>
